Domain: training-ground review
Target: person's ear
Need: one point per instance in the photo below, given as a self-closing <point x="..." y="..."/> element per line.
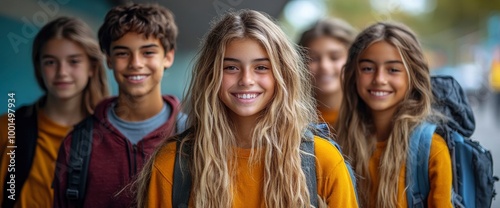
<point x="108" y="62"/>
<point x="168" y="60"/>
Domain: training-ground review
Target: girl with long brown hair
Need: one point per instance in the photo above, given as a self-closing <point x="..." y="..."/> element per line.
<point x="387" y="94"/>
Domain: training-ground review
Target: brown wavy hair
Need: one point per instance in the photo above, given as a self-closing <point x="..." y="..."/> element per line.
<point x="355" y="125"/>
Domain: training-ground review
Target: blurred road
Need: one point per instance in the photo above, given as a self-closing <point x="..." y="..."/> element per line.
<point x="488" y="133"/>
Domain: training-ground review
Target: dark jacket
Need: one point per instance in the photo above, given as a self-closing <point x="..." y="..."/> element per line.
<point x="114" y="161"/>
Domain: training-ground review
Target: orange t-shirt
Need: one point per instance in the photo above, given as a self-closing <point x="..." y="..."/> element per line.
<point x="329" y="116"/>
<point x="37" y="190"/>
<point x="333" y="179"/>
<point x="440" y="174"/>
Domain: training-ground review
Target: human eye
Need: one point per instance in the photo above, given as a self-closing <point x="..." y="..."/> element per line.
<point x="334" y="57"/>
<point x="48" y="62"/>
<point x="394" y="70"/>
<point x="261" y="67"/>
<point x="149" y="53"/>
<point x="120" y="54"/>
<point x="230" y="68"/>
<point x="366" y="69"/>
<point x="74" y="61"/>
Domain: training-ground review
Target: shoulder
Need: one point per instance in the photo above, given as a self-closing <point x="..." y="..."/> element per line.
<point x="165" y="152"/>
<point x="3" y="121"/>
<point x="438" y="146"/>
<point x="4" y="129"/>
<point x="327" y="155"/>
<point x="165" y="159"/>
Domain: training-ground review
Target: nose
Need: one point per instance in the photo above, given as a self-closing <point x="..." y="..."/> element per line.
<point x="324" y="64"/>
<point x="246" y="77"/>
<point x="380" y="77"/>
<point x="135" y="62"/>
<point x="62" y="69"/>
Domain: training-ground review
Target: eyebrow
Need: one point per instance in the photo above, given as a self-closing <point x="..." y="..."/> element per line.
<point x="142" y="47"/>
<point x="387" y="62"/>
<point x="70" y="56"/>
<point x="237" y="60"/>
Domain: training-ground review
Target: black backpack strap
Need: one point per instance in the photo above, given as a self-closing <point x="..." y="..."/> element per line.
<point x="26" y="136"/>
<point x="81" y="147"/>
<point x="181" y="189"/>
<point x="308" y="163"/>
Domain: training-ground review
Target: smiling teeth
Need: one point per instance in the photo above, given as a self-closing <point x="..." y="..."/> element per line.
<point x="378" y="93"/>
<point x="138" y="77"/>
<point x="246" y="96"/>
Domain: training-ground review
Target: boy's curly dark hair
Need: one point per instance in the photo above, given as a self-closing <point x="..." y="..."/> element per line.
<point x="147" y="19"/>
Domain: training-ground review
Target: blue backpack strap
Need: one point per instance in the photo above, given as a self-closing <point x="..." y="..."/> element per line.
<point x="322" y="130"/>
<point x="349" y="168"/>
<point x="417" y="165"/>
<point x="308" y="164"/>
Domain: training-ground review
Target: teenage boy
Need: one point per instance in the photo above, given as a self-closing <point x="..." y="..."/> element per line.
<point x="139" y="42"/>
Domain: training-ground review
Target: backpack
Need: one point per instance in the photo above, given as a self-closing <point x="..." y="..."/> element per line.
<point x="78" y="165"/>
<point x="472" y="164"/>
<point x="181" y="187"/>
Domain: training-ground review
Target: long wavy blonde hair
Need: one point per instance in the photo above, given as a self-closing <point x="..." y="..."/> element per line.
<point x="355" y="127"/>
<point x="277" y="134"/>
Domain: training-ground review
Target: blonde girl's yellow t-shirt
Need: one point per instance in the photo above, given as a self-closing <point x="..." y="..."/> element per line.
<point x="440" y="175"/>
<point x="333" y="179"/>
<point x="36" y="191"/>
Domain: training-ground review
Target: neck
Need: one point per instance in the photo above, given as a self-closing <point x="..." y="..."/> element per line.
<point x="330" y="101"/>
<point x="244" y="128"/>
<point x="66" y="112"/>
<point x="131" y="108"/>
<point x="383" y="124"/>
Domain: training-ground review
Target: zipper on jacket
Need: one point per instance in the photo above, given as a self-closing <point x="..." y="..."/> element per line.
<point x="134" y="155"/>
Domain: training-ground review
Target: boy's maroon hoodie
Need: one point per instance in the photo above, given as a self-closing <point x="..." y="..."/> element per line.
<point x="114" y="161"/>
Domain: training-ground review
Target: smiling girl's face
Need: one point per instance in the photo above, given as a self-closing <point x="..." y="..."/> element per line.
<point x="248" y="81"/>
<point x="382" y="80"/>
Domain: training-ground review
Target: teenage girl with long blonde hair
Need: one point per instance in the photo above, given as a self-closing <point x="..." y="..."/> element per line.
<point x="250" y="103"/>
